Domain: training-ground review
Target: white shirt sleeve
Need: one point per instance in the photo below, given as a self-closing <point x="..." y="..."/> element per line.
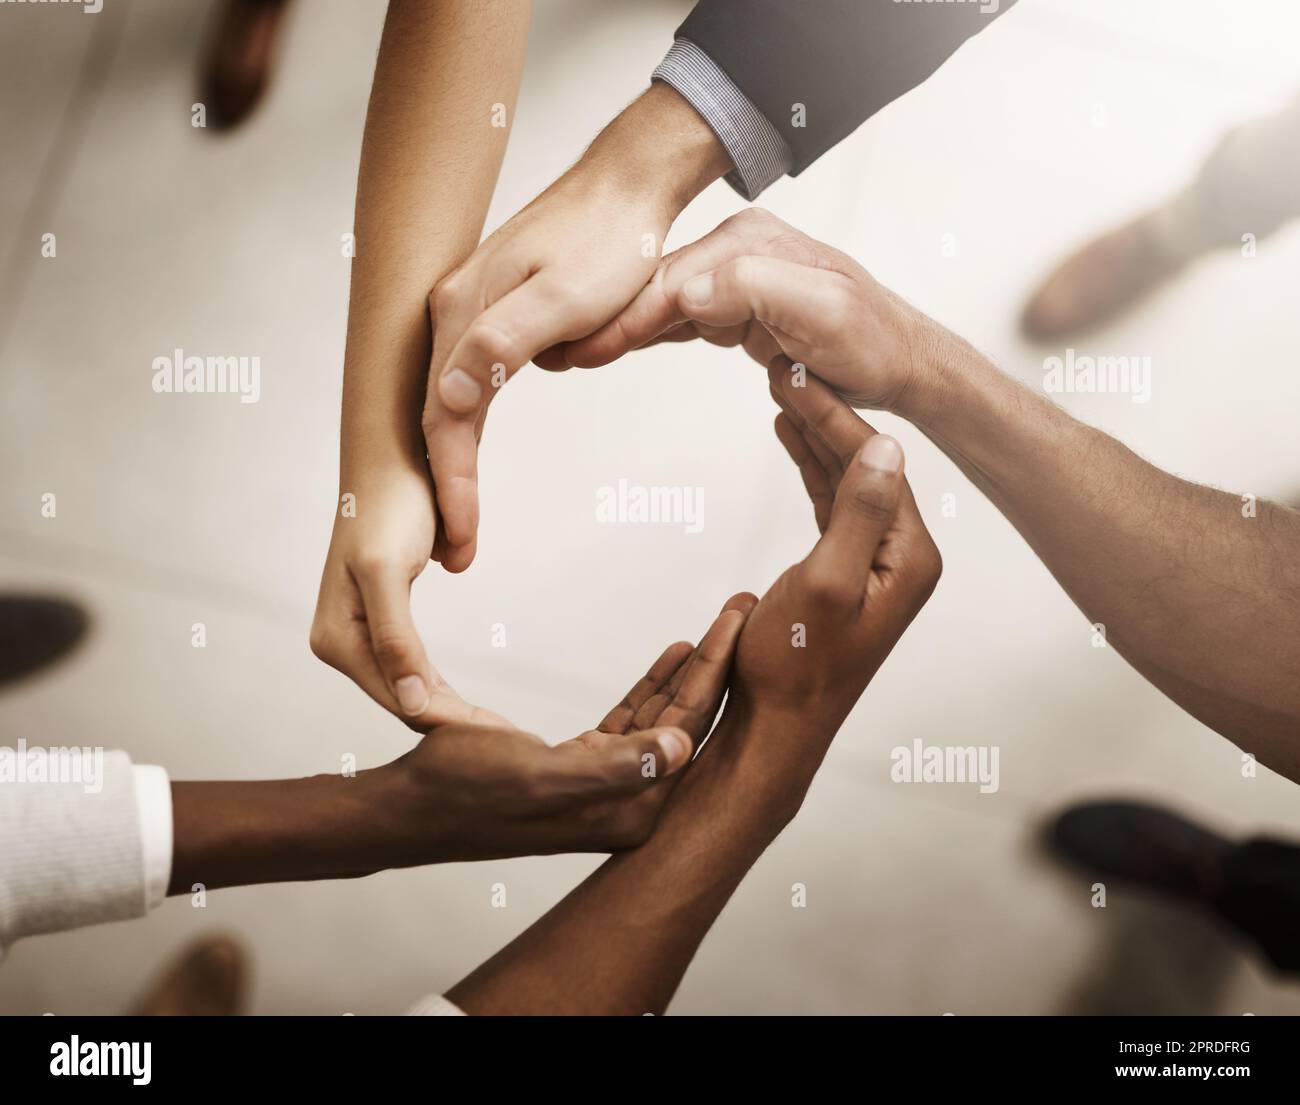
<point x="73" y="839"/>
<point x="435" y="1005"/>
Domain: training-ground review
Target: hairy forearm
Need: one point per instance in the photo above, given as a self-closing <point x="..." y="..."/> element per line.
<point x="621" y="941"/>
<point x="657" y="145"/>
<point x="1199" y="589"/>
<point x="429" y="162"/>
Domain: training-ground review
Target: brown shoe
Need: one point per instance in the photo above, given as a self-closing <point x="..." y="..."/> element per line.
<point x="1106" y="277"/>
<point x="208" y="979"/>
<point x="240" y="56"/>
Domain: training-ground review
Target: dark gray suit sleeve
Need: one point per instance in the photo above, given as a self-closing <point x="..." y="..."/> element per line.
<point x="843" y="60"/>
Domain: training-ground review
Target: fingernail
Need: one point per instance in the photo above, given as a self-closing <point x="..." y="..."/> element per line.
<point x="411" y="694"/>
<point x="675" y="749"/>
<point x="699" y="290"/>
<point x="460" y="390"/>
<point x="882" y="453"/>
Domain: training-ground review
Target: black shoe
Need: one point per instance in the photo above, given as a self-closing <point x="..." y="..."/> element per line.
<point x="1254" y="886"/>
<point x="1261" y="897"/>
<point x="1144" y="845"/>
<point x="35" y="631"/>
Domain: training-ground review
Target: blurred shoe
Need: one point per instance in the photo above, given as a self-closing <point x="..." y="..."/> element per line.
<point x="208" y="979"/>
<point x="1261" y="897"/>
<point x="1109" y="275"/>
<point x="240" y="57"/>
<point x="35" y="631"/>
<point x="1254" y="886"/>
<point x="1141" y="844"/>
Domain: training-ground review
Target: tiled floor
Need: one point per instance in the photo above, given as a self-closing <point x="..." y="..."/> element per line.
<point x="173" y="510"/>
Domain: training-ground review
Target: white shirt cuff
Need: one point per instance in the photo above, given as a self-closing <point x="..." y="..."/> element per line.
<point x="435" y="1005"/>
<point x="153" y="799"/>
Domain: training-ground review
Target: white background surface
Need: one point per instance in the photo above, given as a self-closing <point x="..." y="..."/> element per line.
<point x="178" y="509"/>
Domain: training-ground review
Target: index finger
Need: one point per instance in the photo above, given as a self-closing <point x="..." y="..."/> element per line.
<point x="697" y="690"/>
<point x="654" y="309"/>
<point x="824" y="418"/>
<point x="503" y="338"/>
<point x="619" y="719"/>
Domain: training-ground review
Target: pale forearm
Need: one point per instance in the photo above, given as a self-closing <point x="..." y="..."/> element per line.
<point x="429" y="162"/>
<point x="1199" y="589"/>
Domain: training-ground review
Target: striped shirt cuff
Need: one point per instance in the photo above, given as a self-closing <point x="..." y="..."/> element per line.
<point x="758" y="152"/>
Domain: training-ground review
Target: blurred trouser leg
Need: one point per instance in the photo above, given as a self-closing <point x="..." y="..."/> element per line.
<point x="1248" y="185"/>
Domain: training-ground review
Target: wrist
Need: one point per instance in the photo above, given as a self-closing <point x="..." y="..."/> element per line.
<point x="940" y="367"/>
<point x="406" y="820"/>
<point x="956" y="394"/>
<point x="372" y="473"/>
<point x="375" y="458"/>
<point x="658" y="150"/>
<point x="762" y="755"/>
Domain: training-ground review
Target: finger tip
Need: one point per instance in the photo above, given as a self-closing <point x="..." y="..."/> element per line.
<point x="742" y="602"/>
<point x="412" y="695"/>
<point x="459" y="391"/>
<point x="458" y="558"/>
<point x="676" y="746"/>
<point x="553" y="359"/>
<point x="883" y="454"/>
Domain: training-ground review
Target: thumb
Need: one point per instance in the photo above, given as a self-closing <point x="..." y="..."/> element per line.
<point x="386" y="595"/>
<point x="618" y="765"/>
<point x="863" y="512"/>
<point x="796" y="299"/>
<point x="659" y="752"/>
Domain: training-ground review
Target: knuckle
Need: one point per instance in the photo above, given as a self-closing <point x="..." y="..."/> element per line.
<point x="842" y="308"/>
<point x="872" y="501"/>
<point x="620" y="768"/>
<point x="446" y="294"/>
<point x="493" y="344"/>
<point x="827" y="587"/>
<point x="579" y="291"/>
<point x="538" y="792"/>
<point x="369" y="563"/>
<point x="742" y="271"/>
<point x="790" y="244"/>
<point x="390" y="642"/>
<point x="652" y="707"/>
<point x="757" y="217"/>
<point x="822" y="418"/>
<point x="321" y="642"/>
<point x="930" y="565"/>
